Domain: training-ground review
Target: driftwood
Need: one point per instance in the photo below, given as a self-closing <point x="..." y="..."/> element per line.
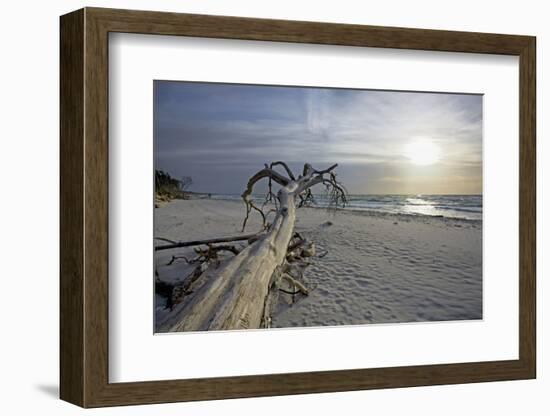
<point x="179" y="244"/>
<point x="241" y="292"/>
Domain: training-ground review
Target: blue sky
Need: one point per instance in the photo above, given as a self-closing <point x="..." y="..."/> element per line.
<point x="383" y="141"/>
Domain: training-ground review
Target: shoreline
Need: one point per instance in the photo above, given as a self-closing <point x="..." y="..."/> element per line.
<point x="403" y="216"/>
<point x="366" y="212"/>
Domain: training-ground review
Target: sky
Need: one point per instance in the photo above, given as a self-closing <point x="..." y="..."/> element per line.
<point x="385" y="142"/>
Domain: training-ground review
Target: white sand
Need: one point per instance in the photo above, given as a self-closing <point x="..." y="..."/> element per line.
<point x="379" y="268"/>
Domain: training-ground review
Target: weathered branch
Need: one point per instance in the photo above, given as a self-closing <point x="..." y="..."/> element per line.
<point x="246" y="195"/>
<point x="249" y="206"/>
<point x="295" y="283"/>
<point x="306" y="198"/>
<point x="327" y="170"/>
<point x="174" y="258"/>
<point x="285" y="166"/>
<point x="206" y="254"/>
<point x="180" y="244"/>
<point x="166" y="240"/>
<point x="265" y="173"/>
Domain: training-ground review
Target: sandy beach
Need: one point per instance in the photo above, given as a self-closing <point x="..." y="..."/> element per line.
<point x="379" y="268"/>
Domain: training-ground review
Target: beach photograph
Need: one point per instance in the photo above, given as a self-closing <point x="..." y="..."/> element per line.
<point x="294" y="206"/>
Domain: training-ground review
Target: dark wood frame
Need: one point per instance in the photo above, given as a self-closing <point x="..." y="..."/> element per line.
<point x="84" y="208"/>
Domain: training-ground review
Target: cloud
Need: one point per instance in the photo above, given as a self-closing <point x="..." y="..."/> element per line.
<point x="209" y="130"/>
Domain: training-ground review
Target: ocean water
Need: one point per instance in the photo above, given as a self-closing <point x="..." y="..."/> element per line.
<point x="469" y="207"/>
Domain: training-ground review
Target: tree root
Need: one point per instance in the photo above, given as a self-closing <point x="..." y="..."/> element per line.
<point x="301" y="288"/>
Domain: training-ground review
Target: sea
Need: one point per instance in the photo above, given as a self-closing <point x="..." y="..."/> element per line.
<point x="468" y="207"/>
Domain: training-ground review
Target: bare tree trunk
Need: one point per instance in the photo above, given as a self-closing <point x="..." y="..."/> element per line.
<point x="234" y="295"/>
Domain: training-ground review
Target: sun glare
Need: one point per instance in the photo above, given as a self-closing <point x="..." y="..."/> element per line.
<point x="422" y="152"/>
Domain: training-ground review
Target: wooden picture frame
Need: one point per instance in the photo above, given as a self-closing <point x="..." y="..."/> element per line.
<point x="84" y="207"/>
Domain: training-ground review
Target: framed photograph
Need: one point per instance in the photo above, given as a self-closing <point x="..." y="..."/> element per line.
<point x="255" y="207"/>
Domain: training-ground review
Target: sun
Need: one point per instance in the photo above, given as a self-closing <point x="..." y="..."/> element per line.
<point x="422" y="152"/>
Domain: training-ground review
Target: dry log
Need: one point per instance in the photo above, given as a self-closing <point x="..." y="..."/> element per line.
<point x="240" y="293"/>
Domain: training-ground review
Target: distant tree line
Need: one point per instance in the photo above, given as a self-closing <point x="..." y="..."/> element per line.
<point x="169" y="187"/>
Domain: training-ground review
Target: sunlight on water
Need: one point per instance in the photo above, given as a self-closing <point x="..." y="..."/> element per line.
<point x="468" y="207"/>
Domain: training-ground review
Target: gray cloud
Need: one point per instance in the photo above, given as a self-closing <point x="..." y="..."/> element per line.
<point x="220" y="134"/>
